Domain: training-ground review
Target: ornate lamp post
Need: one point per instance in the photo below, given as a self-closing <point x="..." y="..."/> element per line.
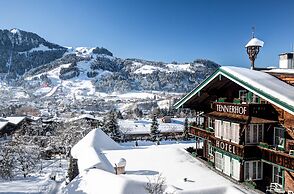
<point x="252" y="48"/>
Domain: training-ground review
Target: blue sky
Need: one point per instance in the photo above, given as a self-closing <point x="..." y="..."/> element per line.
<point x="162" y="30"/>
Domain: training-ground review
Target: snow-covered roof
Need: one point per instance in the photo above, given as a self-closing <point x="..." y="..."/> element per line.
<point x="88" y="151"/>
<point x="255" y="42"/>
<point x="14" y="120"/>
<point x="108" y="183"/>
<point x="265" y="83"/>
<point x="3" y="124"/>
<point x="84" y="116"/>
<point x="280" y="70"/>
<point x="145" y="164"/>
<point x="260" y="83"/>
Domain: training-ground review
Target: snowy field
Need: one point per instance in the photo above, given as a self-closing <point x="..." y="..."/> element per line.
<point x="37" y="183"/>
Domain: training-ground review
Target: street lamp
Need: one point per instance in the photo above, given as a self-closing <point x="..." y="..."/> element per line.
<point x="252" y="48"/>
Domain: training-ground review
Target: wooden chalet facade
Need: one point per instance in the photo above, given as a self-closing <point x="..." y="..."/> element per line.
<point x="246" y="123"/>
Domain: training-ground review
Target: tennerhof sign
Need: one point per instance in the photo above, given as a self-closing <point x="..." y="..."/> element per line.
<point x="231" y="108"/>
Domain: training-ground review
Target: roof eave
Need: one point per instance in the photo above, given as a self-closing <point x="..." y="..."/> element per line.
<point x="285" y="106"/>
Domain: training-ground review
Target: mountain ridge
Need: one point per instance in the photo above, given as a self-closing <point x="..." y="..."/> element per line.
<point x="31" y="59"/>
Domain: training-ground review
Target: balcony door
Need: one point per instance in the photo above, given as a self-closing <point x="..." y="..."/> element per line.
<point x="279" y="137"/>
<point x="278" y="175"/>
<point x="254" y="134"/>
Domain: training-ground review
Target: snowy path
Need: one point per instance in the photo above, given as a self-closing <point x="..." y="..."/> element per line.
<point x="52" y="91"/>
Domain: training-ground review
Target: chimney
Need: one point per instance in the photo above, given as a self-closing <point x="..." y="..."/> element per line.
<point x="286" y="60"/>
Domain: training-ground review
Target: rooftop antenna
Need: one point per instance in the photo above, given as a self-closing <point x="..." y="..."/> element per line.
<point x="292" y="56"/>
<point x="253" y="31"/>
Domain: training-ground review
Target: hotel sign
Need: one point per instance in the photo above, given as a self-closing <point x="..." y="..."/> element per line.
<point x="225" y="146"/>
<point x="231" y="108"/>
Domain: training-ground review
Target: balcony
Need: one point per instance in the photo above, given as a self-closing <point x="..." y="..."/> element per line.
<point x="277" y="157"/>
<point x="199" y="132"/>
<point x="246" y="152"/>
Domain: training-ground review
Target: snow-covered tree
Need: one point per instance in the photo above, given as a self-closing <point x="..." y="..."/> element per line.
<point x="6" y="162"/>
<point x="26" y="158"/>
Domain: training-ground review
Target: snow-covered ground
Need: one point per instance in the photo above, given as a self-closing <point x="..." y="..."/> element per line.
<point x="181" y="172"/>
<point x="174" y="164"/>
<point x="143" y="126"/>
<point x="38" y="183"/>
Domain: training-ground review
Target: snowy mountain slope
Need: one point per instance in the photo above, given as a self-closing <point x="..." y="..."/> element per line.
<point x="21" y="51"/>
<point x="81" y="72"/>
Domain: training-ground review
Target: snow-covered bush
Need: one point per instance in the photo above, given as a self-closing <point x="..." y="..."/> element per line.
<point x="156" y="185"/>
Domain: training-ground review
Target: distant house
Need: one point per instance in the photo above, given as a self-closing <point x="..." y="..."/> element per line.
<point x="8" y="125"/>
<point x="166" y="119"/>
<point x="247" y="124"/>
<point x="89" y="119"/>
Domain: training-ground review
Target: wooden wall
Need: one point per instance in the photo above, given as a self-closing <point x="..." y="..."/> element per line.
<point x="289" y="181"/>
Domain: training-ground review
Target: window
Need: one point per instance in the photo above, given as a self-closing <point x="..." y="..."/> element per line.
<point x="243" y="95"/>
<point x="235" y="169"/>
<point x="227" y="165"/>
<point x="199" y="121"/>
<point x="247" y="175"/>
<point x="253" y="170"/>
<point x="278" y="175"/>
<point x="226" y="130"/>
<point x="218" y="128"/>
<point x="210" y="122"/>
<point x="259" y="168"/>
<point x="254" y="134"/>
<point x="210" y="149"/>
<point x="279" y="137"/>
<point x="235" y="128"/>
<point x="218" y="161"/>
<point x="255" y="99"/>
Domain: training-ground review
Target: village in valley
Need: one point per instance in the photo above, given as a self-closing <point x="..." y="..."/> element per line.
<point x="79" y="120"/>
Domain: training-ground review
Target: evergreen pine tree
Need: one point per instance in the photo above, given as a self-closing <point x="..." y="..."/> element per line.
<point x="111" y="125"/>
<point x="119" y="115"/>
<point x="154" y="128"/>
<point x="186" y="128"/>
<point x="73" y="169"/>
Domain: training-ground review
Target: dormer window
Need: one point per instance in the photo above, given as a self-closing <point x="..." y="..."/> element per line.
<point x="210" y="123"/>
<point x="243" y="95"/>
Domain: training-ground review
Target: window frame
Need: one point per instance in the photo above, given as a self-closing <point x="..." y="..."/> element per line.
<point x="249" y="165"/>
<point x="254" y="137"/>
<point x="235" y="130"/>
<point x="209" y="122"/>
<point x="275" y="136"/>
<point x="276" y="177"/>
<point x="218" y="161"/>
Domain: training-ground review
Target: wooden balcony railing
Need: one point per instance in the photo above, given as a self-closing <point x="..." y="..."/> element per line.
<point x="277" y="157"/>
<point x="247" y="152"/>
<point x="200" y="132"/>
